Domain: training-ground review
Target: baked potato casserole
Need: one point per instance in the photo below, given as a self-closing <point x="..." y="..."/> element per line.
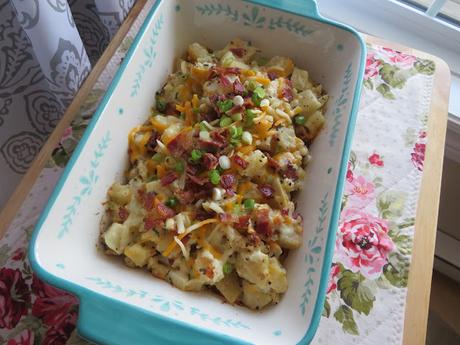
<point x="207" y="201"/>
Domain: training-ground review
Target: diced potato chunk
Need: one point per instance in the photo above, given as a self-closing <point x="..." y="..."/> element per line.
<point x="287" y="137"/>
<point x="197" y="52"/>
<point x="121" y="194"/>
<point x="308" y="102"/>
<point x="290" y="236"/>
<point x="117" y="237"/>
<point x="138" y="254"/>
<point x="255" y="298"/>
<point x="277" y="279"/>
<point x="253" y="266"/>
<point x="314" y="123"/>
<point x="209" y="268"/>
<point x="230" y="287"/>
<point x="256" y="164"/>
<point x="280" y="66"/>
<point x="157" y="268"/>
<point x="300" y="79"/>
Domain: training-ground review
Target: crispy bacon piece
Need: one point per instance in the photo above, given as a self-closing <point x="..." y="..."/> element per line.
<point x="123" y="213"/>
<point x="286" y="91"/>
<point x="238" y="52"/>
<point x="272" y="76"/>
<point x="266" y="190"/>
<point x="240" y="161"/>
<point x="254" y="238"/>
<point x="171" y="109"/>
<point x="164" y="212"/>
<point x="180" y="143"/>
<point x="238" y="88"/>
<point x="201" y="214"/>
<point x="290" y="173"/>
<point x="228" y="181"/>
<point x="224" y="81"/>
<point x="147" y="200"/>
<point x="209" y="161"/>
<point x="272" y="163"/>
<point x="242" y="223"/>
<point x="263" y="225"/>
<point x="185" y="196"/>
<point x="200" y="181"/>
<point x="169" y="178"/>
<point x="149" y="223"/>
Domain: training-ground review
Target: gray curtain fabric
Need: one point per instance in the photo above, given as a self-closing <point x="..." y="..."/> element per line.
<point x="47" y="48"/>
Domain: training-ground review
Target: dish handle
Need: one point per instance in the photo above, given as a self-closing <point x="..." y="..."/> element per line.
<point x="105" y="320"/>
<point x="308" y="8"/>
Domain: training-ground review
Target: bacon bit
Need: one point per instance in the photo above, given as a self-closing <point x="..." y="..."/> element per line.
<point x="248" y="103"/>
<point x="200" y="181"/>
<point x="164" y="212"/>
<point x="272" y="163"/>
<point x="201" y="214"/>
<point x="242" y="223"/>
<point x="290" y="173"/>
<point x="168" y="178"/>
<point x="224" y="81"/>
<point x="254" y="239"/>
<point x="236" y="109"/>
<point x="185" y="196"/>
<point x="240" y="161"/>
<point x="220" y="136"/>
<point x="152" y="142"/>
<point x="266" y="190"/>
<point x="123" y="214"/>
<point x="171" y="109"/>
<point x="226" y="218"/>
<point x="209" y="161"/>
<point x="285" y="212"/>
<point x="238" y="88"/>
<point x="286" y="92"/>
<point x="192" y="170"/>
<point x="149" y="223"/>
<point x="239" y="52"/>
<point x="209" y="272"/>
<point x="272" y="76"/>
<point x="180" y="143"/>
<point x="210" y="116"/>
<point x="263" y="225"/>
<point x="148" y="200"/>
<point x="228" y="181"/>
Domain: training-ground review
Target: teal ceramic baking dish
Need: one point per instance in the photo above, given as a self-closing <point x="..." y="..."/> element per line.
<point x="119" y="305"/>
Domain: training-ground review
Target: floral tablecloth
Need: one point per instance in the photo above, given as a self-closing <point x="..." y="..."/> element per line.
<point x="367" y="289"/>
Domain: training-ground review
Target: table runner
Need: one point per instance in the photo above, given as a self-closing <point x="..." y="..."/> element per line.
<point x="367" y="288"/>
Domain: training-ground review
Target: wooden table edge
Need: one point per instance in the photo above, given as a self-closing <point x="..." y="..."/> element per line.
<point x="419" y="284"/>
<point x="416" y="315"/>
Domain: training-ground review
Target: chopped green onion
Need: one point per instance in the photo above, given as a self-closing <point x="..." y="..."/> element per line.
<point x="252" y="84"/>
<point x="161" y="105"/>
<point x="196" y="155"/>
<point x="214" y="177"/>
<point x="225" y="105"/>
<point x="236" y="132"/>
<point x="249" y="204"/>
<point x="225" y="121"/>
<point x="172" y="202"/>
<point x="258" y="95"/>
<point x="237" y="209"/>
<point x="203" y="127"/>
<point x="180" y="167"/>
<point x="158" y="157"/>
<point x="228" y="268"/>
<point x="237" y="117"/>
<point x="299" y="120"/>
<point x="249" y="118"/>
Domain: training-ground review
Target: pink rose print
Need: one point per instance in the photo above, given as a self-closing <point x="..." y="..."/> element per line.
<point x="399" y="59"/>
<point x="422" y="134"/>
<point x="67" y="134"/>
<point x="359" y="192"/>
<point x="418" y="155"/>
<point x="60" y="333"/>
<point x="26" y="337"/>
<point x="18" y="254"/>
<point x="363" y="243"/>
<point x="52" y="305"/>
<point x="349" y="173"/>
<point x="335" y="270"/>
<point x="372" y="66"/>
<point x="376" y="160"/>
<point x="14" y="297"/>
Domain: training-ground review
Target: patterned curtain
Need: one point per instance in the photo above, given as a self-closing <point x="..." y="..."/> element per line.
<point x="47" y="48"/>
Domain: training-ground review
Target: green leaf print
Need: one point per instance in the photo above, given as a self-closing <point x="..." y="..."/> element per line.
<point x="425" y="66"/>
<point x="385" y="90"/>
<point x="397" y="269"/>
<point x="4" y="254"/>
<point x="356" y="292"/>
<point x="344" y="315"/>
<point x="327" y="308"/>
<point x="368" y="83"/>
<point x="392" y="76"/>
<point x="391" y="204"/>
